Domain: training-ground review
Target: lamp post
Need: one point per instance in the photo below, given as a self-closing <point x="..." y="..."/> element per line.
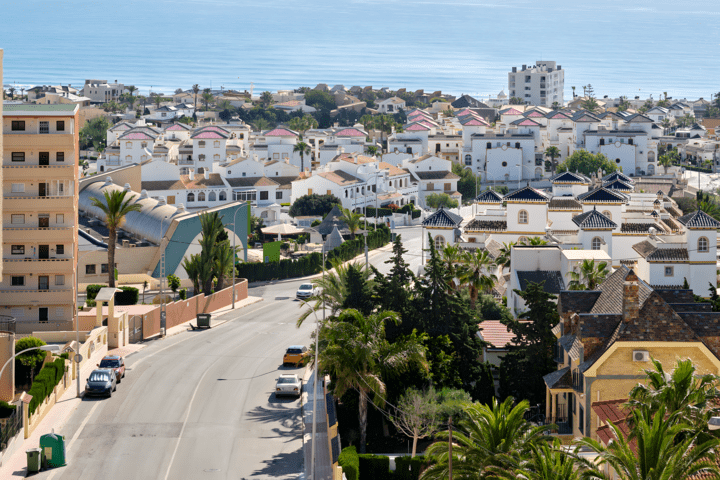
<point x="476" y="187"/>
<point x="162" y="277"/>
<point x="235" y="236"/>
<point x="77" y="321"/>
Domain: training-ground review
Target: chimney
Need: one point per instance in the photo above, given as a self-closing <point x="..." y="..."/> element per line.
<point x="191" y="174"/>
<point x="207" y="174"/>
<point x="631" y="297"/>
<point x="514" y="69"/>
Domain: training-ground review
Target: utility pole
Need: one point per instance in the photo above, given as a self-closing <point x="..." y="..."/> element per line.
<point x="450" y="448"/>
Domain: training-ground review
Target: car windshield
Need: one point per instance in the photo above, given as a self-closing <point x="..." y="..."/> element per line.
<point x="286" y="380"/>
<point x="99" y="377"/>
<point x="110" y="364"/>
<point x="306" y="287"/>
<point x="294" y="351"/>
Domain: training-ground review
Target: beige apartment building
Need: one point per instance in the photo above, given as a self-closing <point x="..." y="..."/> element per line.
<point x="2" y="97"/>
<point x="39" y="215"/>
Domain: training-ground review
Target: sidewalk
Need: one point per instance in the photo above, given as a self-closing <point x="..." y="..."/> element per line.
<point x="323" y="462"/>
<point x="15" y="466"/>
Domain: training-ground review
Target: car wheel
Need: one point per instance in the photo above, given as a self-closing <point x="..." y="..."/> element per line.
<point x="115" y="387"/>
<point x="119" y="379"/>
<point x="110" y="394"/>
<point x="123" y="375"/>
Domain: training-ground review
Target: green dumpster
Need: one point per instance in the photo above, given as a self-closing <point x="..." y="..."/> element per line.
<point x="53" y="447"/>
<point x="33" y="460"/>
<point x="203" y="320"/>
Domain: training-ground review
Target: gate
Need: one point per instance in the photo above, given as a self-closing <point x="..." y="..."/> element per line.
<point x="136" y="328"/>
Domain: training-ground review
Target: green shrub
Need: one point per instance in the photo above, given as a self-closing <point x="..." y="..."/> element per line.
<point x="91" y="303"/>
<point x="183" y="294"/>
<point x="350" y="462"/>
<point x="6" y="409"/>
<point x="374" y="467"/>
<point x="127" y="296"/>
<point x="44" y="383"/>
<point x="92" y="290"/>
<point x="408" y="468"/>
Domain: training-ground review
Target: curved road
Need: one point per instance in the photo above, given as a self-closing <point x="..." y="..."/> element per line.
<point x="201" y="404"/>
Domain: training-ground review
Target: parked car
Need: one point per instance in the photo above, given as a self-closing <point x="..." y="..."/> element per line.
<point x="306" y="290"/>
<point x="295" y="355"/>
<point x="114" y="363"/>
<point x="288" y="384"/>
<point x="102" y="382"/>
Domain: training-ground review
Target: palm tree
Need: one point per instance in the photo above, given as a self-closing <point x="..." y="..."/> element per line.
<point x="115" y="207"/>
<point x="547" y="462"/>
<point x="207" y="97"/>
<point x="451" y="258"/>
<point x="224" y="263"/>
<point x="503" y="261"/>
<point x="491" y="440"/>
<point x="196" y="269"/>
<point x="475" y="273"/>
<point x="303" y="149"/>
<point x="158" y="101"/>
<point x="266" y="99"/>
<point x="131" y="89"/>
<point x="352" y="220"/>
<point x="552" y="153"/>
<point x="590" y="276"/>
<point x="211" y="226"/>
<point x="534" y="241"/>
<point x="371" y="150"/>
<point x="665" y="449"/>
<point x="303" y="124"/>
<point x="196" y="90"/>
<point x="355" y="352"/>
<point x="261" y="124"/>
<point x="665" y="161"/>
<point x="666" y="124"/>
<point x="556" y="105"/>
<point x="12" y="92"/>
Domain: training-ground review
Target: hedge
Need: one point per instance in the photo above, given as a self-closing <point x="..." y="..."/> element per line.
<point x="92" y="290"/>
<point x="374" y="467"/>
<point x="127" y="295"/>
<point x="45" y="382"/>
<point x="698" y="169"/>
<point x="350" y="462"/>
<point x="386" y="212"/>
<point x="408" y="468"/>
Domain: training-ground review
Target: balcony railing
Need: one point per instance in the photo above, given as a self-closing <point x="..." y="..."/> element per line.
<point x="578" y="380"/>
<point x="562" y="426"/>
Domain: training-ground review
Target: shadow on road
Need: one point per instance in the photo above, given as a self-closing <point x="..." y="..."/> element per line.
<point x="282" y="411"/>
<point x="282" y="464"/>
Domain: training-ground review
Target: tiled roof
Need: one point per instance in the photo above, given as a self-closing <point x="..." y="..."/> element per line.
<point x="162" y="185"/>
<point x="442" y="218"/>
<point x="534" y="114"/>
<point x="617" y="176"/>
<point x="570" y="177"/>
<point x="699" y="220"/>
<point x="177" y="127"/>
<point x="131" y="135"/>
<point x="392" y="169"/>
<point x="471" y="121"/>
<point x="551" y="279"/>
<point x="639" y="227"/>
<point x="558" y="115"/>
<point x="619" y="185"/>
<point x="651" y="253"/>
<point x="559" y="379"/>
<point x="349" y="132"/>
<point x="417" y="127"/>
<point x="526" y="122"/>
<point x="497" y="225"/>
<point x="564" y="203"/>
<point x="602" y="195"/>
<point x="200" y="181"/>
<point x="526" y="194"/>
<point x="510" y="111"/>
<point x="280" y="132"/>
<point x="331" y="221"/>
<point x="489" y="196"/>
<point x="592" y="219"/>
<point x="493" y="248"/>
<point x="251" y="182"/>
<point x="610" y="300"/>
<point x="496" y="334"/>
<point x="339" y="177"/>
<point x="209" y="134"/>
<point x="437" y="175"/>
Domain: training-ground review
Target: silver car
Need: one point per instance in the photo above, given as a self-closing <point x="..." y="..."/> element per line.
<point x="288" y="384"/>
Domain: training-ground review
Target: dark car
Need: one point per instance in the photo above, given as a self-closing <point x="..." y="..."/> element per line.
<point x="101" y="382"/>
<point x="116" y="364"/>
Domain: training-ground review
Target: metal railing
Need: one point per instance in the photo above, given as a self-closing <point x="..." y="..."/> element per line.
<point x="7" y="323"/>
<point x="578" y="380"/>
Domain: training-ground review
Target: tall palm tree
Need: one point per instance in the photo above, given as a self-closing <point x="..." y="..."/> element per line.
<point x="303" y="149"/>
<point x="211" y="226"/>
<point x="666" y="124"/>
<point x="115" y="206"/>
<point x="193" y="266"/>
<point x="491" y="440"/>
<point x="665" y="161"/>
<point x="158" y="101"/>
<point x="131" y="89"/>
<point x="224" y="263"/>
<point x="12" y="92"/>
<point x="371" y="150"/>
<point x="590" y="276"/>
<point x="196" y="90"/>
<point x="665" y="449"/>
<point x="475" y="273"/>
<point x="207" y="97"/>
<point x="351" y="219"/>
<point x="552" y="153"/>
<point x="355" y="352"/>
<point x="503" y="261"/>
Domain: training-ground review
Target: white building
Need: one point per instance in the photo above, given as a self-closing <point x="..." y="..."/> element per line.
<point x="542" y="84"/>
<point x="100" y="91"/>
<point x="391" y="105"/>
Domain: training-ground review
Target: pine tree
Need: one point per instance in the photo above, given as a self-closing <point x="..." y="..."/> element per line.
<point x="391" y="291"/>
<point x="358" y="296"/>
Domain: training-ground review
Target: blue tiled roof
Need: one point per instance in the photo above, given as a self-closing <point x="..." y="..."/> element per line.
<point x="602" y="195"/>
<point x="442" y="218"/>
<point x="619" y="185"/>
<point x="593" y="219"/>
<point x="527" y="194"/>
<point x="617" y="176"/>
<point x="699" y="219"/>
<point x="489" y="196"/>
<point x="570" y="177"/>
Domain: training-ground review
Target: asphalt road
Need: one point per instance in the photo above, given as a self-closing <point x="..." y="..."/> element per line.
<point x="201" y="404"/>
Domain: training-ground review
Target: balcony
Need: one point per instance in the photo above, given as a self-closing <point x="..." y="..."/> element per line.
<point x="16" y="141"/>
<point x="578" y="380"/>
<point x="186" y="162"/>
<point x="53" y="296"/>
<point x="38" y="234"/>
<point x="542" y="85"/>
<point x="564" y="427"/>
<point x="31" y="203"/>
<point x="20" y="170"/>
<point x="30" y="265"/>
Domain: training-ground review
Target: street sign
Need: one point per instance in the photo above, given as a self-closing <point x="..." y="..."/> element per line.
<point x="78" y="358"/>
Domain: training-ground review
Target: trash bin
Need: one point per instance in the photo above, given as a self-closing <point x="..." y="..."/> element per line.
<point x="33" y="460"/>
<point x="203" y="320"/>
<point x="53" y="447"/>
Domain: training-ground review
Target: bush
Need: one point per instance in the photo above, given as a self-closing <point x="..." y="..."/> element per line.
<point x="27" y="364"/>
<point x="127" y="296"/>
<point x="183" y="294"/>
<point x="408" y="468"/>
<point x="6" y="409"/>
<point x="92" y="290"/>
<point x="697" y="169"/>
<point x="313" y="204"/>
<point x="90" y="303"/>
<point x="374" y="467"/>
<point x="350" y="462"/>
<point x="45" y="382"/>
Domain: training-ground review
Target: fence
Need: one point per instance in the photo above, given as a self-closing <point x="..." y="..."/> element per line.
<point x="10" y="426"/>
<point x="7" y="323"/>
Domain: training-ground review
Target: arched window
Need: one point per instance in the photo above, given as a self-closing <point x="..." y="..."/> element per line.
<point x="216" y="157"/>
<point x="703" y="245"/>
<point x="468" y="159"/>
<point x="201" y="197"/>
<point x="191" y="197"/>
<point x="128" y="158"/>
<point x="211" y="197"/>
<point x="439" y="242"/>
<point x="390" y="183"/>
<point x="222" y="197"/>
<point x="596" y="243"/>
<point x="607" y="214"/>
<point x="523" y="216"/>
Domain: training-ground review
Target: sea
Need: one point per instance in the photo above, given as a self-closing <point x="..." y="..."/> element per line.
<point x="620" y="47"/>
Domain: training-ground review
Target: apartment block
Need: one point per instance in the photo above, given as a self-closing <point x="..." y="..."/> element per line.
<point x="2" y="223"/>
<point x="542" y="84"/>
<point x="39" y="215"/>
<point x="100" y="91"/>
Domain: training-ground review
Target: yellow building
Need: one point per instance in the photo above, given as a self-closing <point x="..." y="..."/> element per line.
<point x="606" y="339"/>
<point x="39" y="211"/>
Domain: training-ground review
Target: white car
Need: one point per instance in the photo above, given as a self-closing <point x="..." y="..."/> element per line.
<point x="288" y="384"/>
<point x="306" y="290"/>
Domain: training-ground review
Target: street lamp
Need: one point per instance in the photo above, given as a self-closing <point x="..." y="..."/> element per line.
<point x="235" y="236"/>
<point x="162" y="278"/>
<point x="476" y="186"/>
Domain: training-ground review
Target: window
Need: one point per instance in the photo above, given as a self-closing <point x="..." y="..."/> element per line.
<point x="201" y="197"/>
<point x="43" y="282"/>
<point x="596" y="243"/>
<point x="504" y="164"/>
<point x="18" y="188"/>
<point x="59" y="279"/>
<point x="201" y="158"/>
<point x="60" y="218"/>
<point x="447" y="187"/>
<point x="60" y="125"/>
<point x="617" y="160"/>
<point x="128" y="158"/>
<point x="17" y="250"/>
<point x="212" y="197"/>
<point x="18" y="156"/>
<point x="44" y="220"/>
<point x="43" y="314"/>
<point x="523" y="217"/>
<point x="264" y="195"/>
<point x="18" y="125"/>
<point x="310" y="190"/>
<point x="190" y="197"/>
<point x="104" y="268"/>
<point x="607" y="214"/>
<point x="60" y="157"/>
<point x="581" y="420"/>
<point x="468" y="160"/>
<point x="222" y="197"/>
<point x="276" y="156"/>
<point x="439" y="242"/>
<point x="517" y="144"/>
<point x="90" y="269"/>
<point x="489" y="145"/>
<point x="669" y="271"/>
<point x="217" y="144"/>
<point x="128" y="144"/>
<point x="17" y="219"/>
<point x="59" y="312"/>
<point x="18" y="281"/>
<point x="143" y="145"/>
<point x="201" y="144"/>
<point x="703" y="245"/>
<point x="279" y="196"/>
<point x="60" y="249"/>
<point x="44" y="127"/>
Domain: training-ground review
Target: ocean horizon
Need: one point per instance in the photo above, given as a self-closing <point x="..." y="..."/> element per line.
<point x="637" y="48"/>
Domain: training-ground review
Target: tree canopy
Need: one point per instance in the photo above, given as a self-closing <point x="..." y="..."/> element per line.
<point x="94" y="133"/>
<point x="587" y="163"/>
<point x="436" y="200"/>
<point x="313" y="204"/>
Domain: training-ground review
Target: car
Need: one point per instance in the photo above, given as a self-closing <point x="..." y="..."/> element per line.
<point x="114" y="363"/>
<point x="288" y="384"/>
<point x="295" y="355"/>
<point x="306" y="290"/>
<point x="101" y="382"/>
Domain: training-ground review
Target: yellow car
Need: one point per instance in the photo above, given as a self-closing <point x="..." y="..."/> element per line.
<point x="295" y="355"/>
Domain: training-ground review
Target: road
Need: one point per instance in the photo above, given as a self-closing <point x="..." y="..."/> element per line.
<point x="201" y="404"/>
